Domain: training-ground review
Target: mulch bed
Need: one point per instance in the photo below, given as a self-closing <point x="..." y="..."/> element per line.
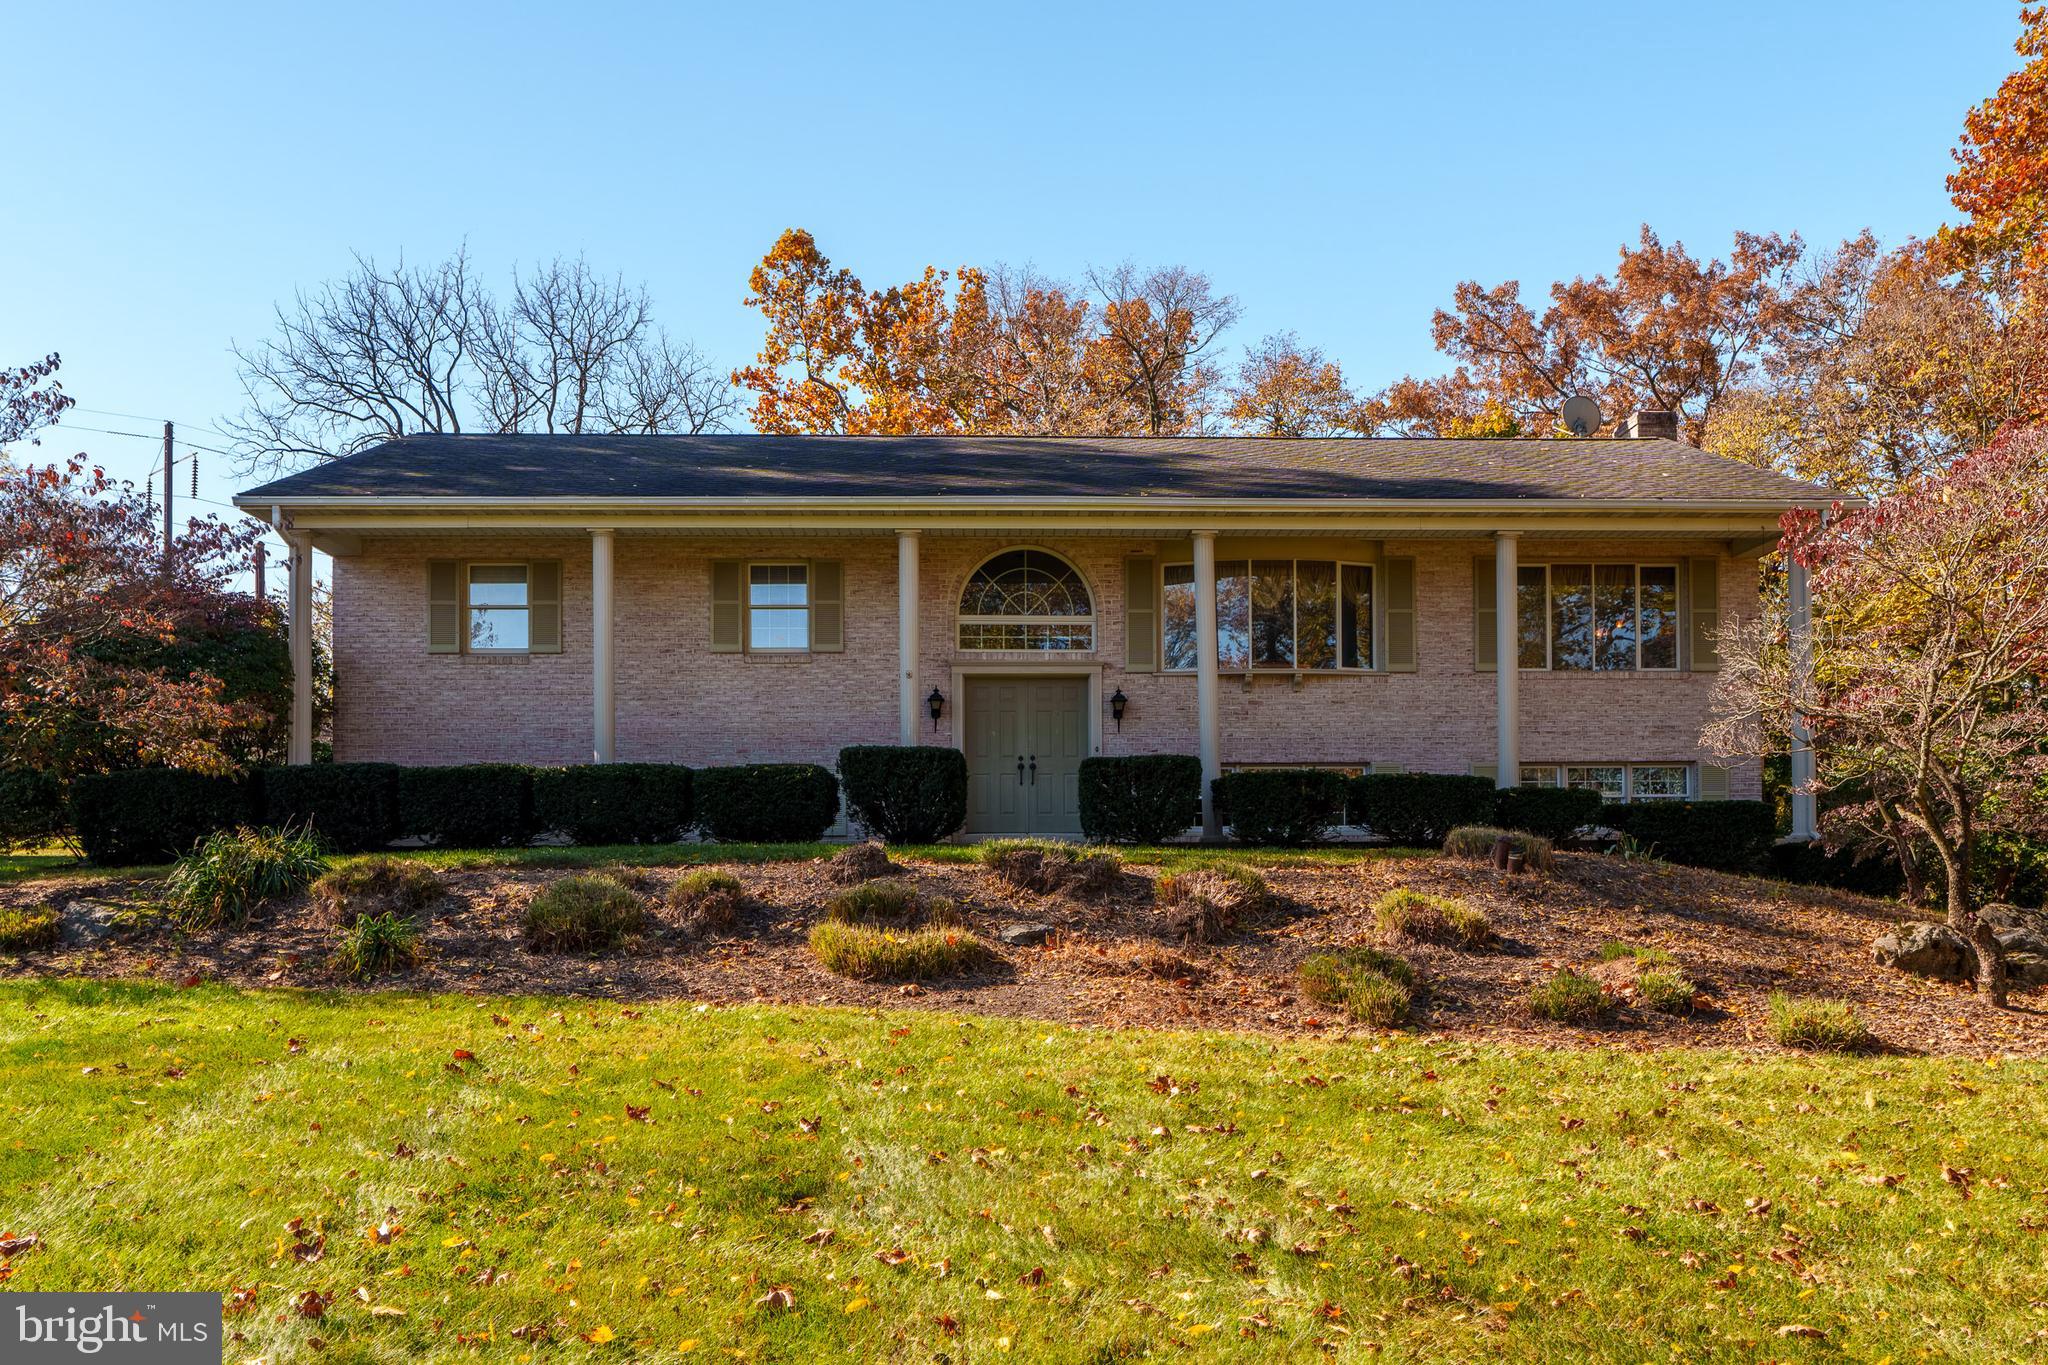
<point x="1739" y="938"/>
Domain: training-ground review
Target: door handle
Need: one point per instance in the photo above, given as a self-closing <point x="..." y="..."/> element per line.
<point x="1020" y="770"/>
<point x="1034" y="770"/>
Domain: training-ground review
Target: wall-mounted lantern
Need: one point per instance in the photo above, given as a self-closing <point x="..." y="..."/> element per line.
<point x="1117" y="703"/>
<point x="935" y="703"/>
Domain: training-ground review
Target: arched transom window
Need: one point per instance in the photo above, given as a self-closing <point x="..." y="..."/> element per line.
<point x="1026" y="599"/>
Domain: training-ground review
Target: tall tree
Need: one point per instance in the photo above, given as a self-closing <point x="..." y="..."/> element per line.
<point x="385" y="353"/>
<point x="1286" y="389"/>
<point x="1150" y="356"/>
<point x="1667" y="331"/>
<point x="1928" y="686"/>
<point x="2001" y="176"/>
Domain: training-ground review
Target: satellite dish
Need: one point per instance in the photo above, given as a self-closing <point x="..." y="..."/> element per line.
<point x="1581" y="415"/>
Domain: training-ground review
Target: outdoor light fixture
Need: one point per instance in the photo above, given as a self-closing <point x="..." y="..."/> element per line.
<point x="1117" y="703"/>
<point x="935" y="703"/>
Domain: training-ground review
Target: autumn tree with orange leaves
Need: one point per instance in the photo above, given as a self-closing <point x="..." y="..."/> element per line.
<point x="2001" y="176"/>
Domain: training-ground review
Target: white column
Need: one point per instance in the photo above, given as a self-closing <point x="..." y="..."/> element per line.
<point x="299" y="625"/>
<point x="1799" y="600"/>
<point x="1507" y="652"/>
<point x="906" y="638"/>
<point x="603" y="708"/>
<point x="1205" y="677"/>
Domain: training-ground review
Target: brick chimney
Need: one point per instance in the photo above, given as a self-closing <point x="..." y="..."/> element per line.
<point x="1648" y="424"/>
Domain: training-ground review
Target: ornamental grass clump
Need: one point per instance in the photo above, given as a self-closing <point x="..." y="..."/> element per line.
<point x="1423" y="918"/>
<point x="708" y="899"/>
<point x="1205" y="903"/>
<point x="578" y="914"/>
<point x="232" y="872"/>
<point x="1475" y="843"/>
<point x="1667" y="992"/>
<point x="1817" y="1025"/>
<point x="1047" y="865"/>
<point x="868" y="953"/>
<point x="1616" y="951"/>
<point x="27" y="929"/>
<point x="375" y="944"/>
<point x="1570" y="998"/>
<point x="1372" y="987"/>
<point x="374" y="886"/>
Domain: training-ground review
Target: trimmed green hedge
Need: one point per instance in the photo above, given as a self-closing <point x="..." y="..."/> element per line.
<point x="614" y="803"/>
<point x="350" y="807"/>
<point x="151" y="815"/>
<point x="475" y="805"/>
<point x="1556" y="813"/>
<point x="31" y="807"/>
<point x="905" y="793"/>
<point x="776" y="803"/>
<point x="1729" y="836"/>
<point x="1140" y="799"/>
<point x="1420" y="809"/>
<point x="1287" y="807"/>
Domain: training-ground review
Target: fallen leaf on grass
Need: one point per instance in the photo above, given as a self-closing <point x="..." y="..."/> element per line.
<point x="312" y="1303"/>
<point x="776" y="1300"/>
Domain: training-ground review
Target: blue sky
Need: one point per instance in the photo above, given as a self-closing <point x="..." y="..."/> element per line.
<point x="1338" y="168"/>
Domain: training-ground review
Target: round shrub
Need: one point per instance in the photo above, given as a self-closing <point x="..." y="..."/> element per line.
<point x="379" y="943"/>
<point x="151" y="815"/>
<point x="474" y="805"/>
<point x="905" y="793"/>
<point x="1419" y="809"/>
<point x="377" y="886"/>
<point x="1556" y="813"/>
<point x="774" y="803"/>
<point x="1140" y="799"/>
<point x="26" y="929"/>
<point x="577" y="914"/>
<point x="31" y="808"/>
<point x="1287" y="807"/>
<point x="614" y="803"/>
<point x="224" y="879"/>
<point x="708" y="899"/>
<point x="353" y="807"/>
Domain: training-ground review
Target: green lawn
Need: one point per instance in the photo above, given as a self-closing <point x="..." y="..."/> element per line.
<point x="52" y="863"/>
<point x="642" y="1182"/>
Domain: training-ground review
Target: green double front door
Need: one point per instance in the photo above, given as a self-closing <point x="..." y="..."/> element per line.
<point x="1026" y="738"/>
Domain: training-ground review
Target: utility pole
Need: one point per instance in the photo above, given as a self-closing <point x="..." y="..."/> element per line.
<point x="167" y="500"/>
<point x="261" y="595"/>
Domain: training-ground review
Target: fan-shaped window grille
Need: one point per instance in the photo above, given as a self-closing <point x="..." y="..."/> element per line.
<point x="1026" y="599"/>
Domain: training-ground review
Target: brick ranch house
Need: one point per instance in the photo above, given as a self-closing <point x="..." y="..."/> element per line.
<point x="562" y="599"/>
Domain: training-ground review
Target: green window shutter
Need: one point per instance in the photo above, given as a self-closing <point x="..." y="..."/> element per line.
<point x="1389" y="768"/>
<point x="1485" y="616"/>
<point x="725" y="606"/>
<point x="1141" y="615"/>
<point x="1703" y="614"/>
<point x="1401" y="614"/>
<point x="1489" y="771"/>
<point x="544" y="606"/>
<point x="1713" y="782"/>
<point x="444" y="607"/>
<point x="828" y="606"/>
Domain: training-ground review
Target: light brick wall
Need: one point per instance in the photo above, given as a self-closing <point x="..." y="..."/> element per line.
<point x="678" y="702"/>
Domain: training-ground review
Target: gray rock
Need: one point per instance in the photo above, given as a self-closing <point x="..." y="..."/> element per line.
<point x="1933" y="950"/>
<point x="2011" y="919"/>
<point x="2023" y="941"/>
<point x="1025" y="935"/>
<point x="2026" y="969"/>
<point x="87" y="922"/>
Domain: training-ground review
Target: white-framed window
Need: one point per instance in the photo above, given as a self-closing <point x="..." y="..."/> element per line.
<point x="1597" y="618"/>
<point x="500" y="609"/>
<point x="1026" y="599"/>
<point x="1288" y="615"/>
<point x="1615" y="781"/>
<point x="778" y="607"/>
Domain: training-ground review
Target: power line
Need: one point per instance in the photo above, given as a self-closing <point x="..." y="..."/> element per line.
<point x="142" y="417"/>
<point x="153" y="436"/>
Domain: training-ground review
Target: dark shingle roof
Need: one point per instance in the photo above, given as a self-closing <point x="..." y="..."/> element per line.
<point x="813" y="468"/>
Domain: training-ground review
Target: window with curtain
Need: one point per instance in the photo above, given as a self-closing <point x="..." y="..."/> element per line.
<point x="1597" y="618"/>
<point x="1026" y="599"/>
<point x="1294" y="615"/>
<point x="499" y="608"/>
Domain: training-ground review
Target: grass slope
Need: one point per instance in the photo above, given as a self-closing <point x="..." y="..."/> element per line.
<point x="639" y="1183"/>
